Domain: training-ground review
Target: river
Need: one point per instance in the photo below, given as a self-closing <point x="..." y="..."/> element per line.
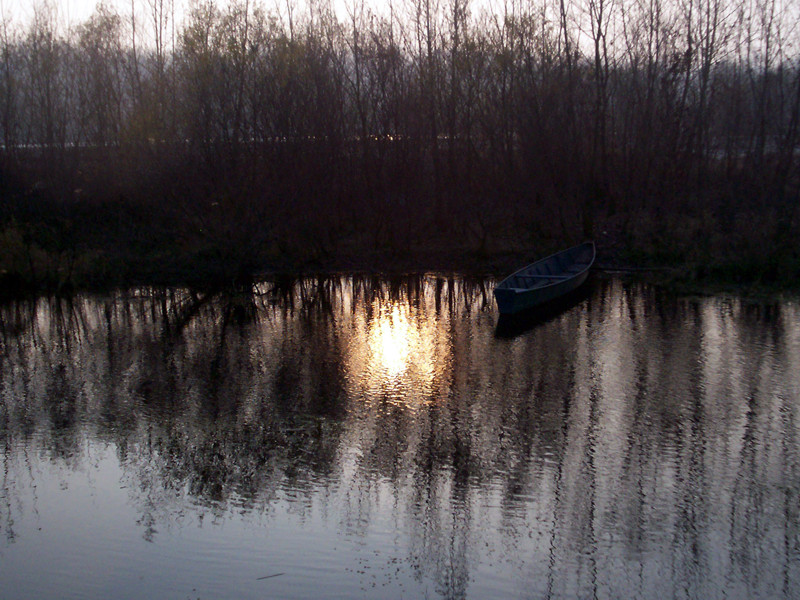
<point x="388" y="438"/>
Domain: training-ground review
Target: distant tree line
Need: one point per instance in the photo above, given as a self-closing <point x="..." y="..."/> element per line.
<point x="246" y="132"/>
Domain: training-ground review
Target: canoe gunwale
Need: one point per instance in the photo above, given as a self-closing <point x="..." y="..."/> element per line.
<point x="514" y="299"/>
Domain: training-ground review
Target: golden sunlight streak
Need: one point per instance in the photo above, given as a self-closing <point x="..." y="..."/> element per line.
<point x="398" y="353"/>
<point x="389" y="341"/>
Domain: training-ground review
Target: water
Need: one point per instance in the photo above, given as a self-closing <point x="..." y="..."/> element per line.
<point x="365" y="438"/>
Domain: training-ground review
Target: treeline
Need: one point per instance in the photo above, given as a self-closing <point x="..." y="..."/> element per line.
<point x="251" y="137"/>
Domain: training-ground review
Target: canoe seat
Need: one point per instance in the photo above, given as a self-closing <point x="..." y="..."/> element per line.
<point x="539" y="277"/>
<point x="576" y="268"/>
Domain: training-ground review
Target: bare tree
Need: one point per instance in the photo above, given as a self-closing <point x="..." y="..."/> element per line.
<point x="101" y="88"/>
<point x="9" y="116"/>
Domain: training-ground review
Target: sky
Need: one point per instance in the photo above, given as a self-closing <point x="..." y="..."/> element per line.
<point x="73" y="11"/>
<point x="77" y="11"/>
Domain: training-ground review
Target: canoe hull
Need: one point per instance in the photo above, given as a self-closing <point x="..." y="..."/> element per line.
<point x="511" y="301"/>
<point x="556" y="276"/>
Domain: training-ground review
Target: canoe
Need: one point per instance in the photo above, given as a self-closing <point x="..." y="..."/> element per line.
<point x="545" y="280"/>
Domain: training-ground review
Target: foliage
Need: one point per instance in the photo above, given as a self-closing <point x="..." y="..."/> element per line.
<point x="268" y="139"/>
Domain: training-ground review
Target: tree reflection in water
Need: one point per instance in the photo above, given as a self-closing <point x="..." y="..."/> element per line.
<point x="633" y="446"/>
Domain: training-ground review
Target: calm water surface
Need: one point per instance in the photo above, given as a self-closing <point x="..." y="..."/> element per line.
<point x="362" y="438"/>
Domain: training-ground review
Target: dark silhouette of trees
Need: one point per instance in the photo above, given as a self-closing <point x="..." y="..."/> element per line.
<point x="258" y="136"/>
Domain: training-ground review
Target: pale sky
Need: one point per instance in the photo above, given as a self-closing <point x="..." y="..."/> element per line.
<point x="76" y="11"/>
<point x="20" y="12"/>
<point x="68" y="10"/>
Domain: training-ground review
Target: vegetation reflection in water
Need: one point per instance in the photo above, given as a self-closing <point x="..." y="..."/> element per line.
<point x="350" y="433"/>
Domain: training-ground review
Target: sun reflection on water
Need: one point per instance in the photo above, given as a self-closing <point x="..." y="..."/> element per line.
<point x="399" y="352"/>
<point x="389" y="341"/>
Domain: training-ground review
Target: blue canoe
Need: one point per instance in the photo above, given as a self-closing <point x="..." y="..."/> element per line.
<point x="545" y="280"/>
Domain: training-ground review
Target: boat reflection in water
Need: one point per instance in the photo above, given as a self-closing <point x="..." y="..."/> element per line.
<point x="510" y="325"/>
<point x="360" y="437"/>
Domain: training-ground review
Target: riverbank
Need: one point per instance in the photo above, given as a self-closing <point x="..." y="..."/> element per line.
<point x="33" y="262"/>
<point x="166" y="215"/>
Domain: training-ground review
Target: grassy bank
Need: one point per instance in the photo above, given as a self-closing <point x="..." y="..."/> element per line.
<point x="58" y="247"/>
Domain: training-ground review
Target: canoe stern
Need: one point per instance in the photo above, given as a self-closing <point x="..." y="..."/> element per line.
<point x="506" y="299"/>
<point x="514" y="295"/>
